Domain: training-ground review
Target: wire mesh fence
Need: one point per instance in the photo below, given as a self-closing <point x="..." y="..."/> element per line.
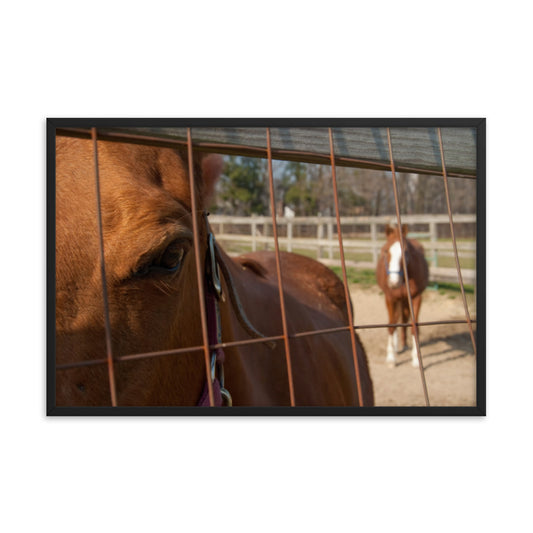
<point x="276" y="231"/>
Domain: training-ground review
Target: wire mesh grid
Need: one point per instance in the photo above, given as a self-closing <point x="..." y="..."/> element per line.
<point x="206" y="347"/>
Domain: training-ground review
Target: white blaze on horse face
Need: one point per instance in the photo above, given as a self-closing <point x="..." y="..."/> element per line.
<point x="394" y="279"/>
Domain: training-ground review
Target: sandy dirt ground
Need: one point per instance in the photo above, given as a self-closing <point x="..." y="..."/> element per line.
<point x="447" y="353"/>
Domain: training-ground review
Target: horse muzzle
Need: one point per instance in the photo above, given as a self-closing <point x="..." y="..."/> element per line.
<point x="394" y="280"/>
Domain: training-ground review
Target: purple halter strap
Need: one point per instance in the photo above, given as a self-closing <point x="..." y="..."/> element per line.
<point x="213" y="293"/>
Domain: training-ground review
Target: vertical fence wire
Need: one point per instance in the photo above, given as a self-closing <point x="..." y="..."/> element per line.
<point x="109" y="348"/>
<point x="404" y="261"/>
<point x="278" y="268"/>
<point x="199" y="273"/>
<point x="454" y="242"/>
<point x="343" y="265"/>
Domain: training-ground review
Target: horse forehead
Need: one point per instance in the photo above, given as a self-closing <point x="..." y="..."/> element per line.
<point x="125" y="170"/>
<point x="395" y="249"/>
<point x="142" y="169"/>
<point x="140" y="188"/>
<point x="136" y="183"/>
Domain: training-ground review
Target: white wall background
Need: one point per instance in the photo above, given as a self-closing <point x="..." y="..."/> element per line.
<point x="240" y="59"/>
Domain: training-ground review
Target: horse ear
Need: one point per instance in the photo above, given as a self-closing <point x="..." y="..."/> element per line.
<point x="388" y="229"/>
<point x="212" y="166"/>
<point x="405" y="229"/>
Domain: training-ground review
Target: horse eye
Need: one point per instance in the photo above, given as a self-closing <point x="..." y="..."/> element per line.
<point x="168" y="262"/>
<point x="172" y="257"/>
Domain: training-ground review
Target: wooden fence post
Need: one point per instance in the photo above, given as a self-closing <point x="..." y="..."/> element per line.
<point x="254" y="231"/>
<point x="265" y="234"/>
<point x="330" y="239"/>
<point x="374" y="239"/>
<point x="433" y="239"/>
<point x="319" y="236"/>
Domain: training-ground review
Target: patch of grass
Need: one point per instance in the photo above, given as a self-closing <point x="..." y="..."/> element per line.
<point x="443" y="287"/>
<point x="449" y="262"/>
<point x="367" y="278"/>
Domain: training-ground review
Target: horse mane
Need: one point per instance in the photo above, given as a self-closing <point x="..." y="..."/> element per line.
<point x="416" y="245"/>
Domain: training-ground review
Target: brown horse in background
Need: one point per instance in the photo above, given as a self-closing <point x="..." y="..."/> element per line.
<point x="391" y="279"/>
<point x="153" y="300"/>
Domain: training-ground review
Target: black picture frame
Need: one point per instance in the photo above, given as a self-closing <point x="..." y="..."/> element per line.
<point x="84" y="123"/>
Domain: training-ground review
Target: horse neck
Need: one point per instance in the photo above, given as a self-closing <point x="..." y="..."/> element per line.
<point x="239" y="299"/>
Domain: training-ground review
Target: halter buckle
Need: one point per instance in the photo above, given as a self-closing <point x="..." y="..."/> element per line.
<point x="218" y="367"/>
<point x="226" y="396"/>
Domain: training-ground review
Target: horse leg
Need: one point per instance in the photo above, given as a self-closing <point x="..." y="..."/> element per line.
<point x="405" y="320"/>
<point x="392" y="345"/>
<point x="417" y="301"/>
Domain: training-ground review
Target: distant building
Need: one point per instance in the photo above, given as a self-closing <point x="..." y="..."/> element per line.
<point x="288" y="212"/>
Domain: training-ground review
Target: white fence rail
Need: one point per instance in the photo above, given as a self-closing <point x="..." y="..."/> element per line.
<point x="361" y="239"/>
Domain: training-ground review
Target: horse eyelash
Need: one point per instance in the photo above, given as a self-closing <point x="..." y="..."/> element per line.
<point x="164" y="287"/>
<point x="145" y="269"/>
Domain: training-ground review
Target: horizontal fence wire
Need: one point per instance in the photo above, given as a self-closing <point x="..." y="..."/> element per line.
<point x="269" y="154"/>
<point x="245" y="342"/>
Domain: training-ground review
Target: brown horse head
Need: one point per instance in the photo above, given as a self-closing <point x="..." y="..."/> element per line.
<point x="149" y="269"/>
<point x="153" y="294"/>
<point x="392" y="255"/>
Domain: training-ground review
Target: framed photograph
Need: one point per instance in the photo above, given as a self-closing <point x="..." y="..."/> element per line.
<point x="228" y="267"/>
